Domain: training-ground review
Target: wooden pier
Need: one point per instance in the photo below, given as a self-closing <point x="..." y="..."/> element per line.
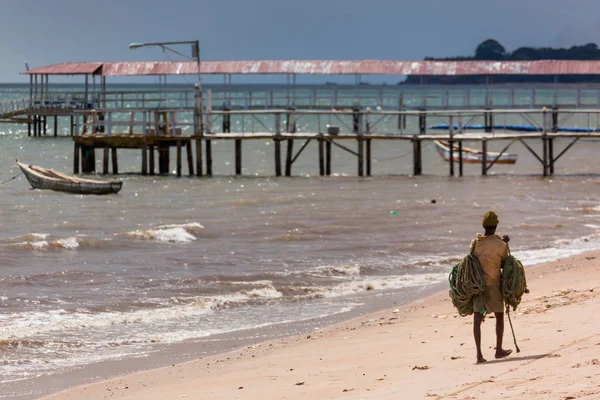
<point x="154" y="132"/>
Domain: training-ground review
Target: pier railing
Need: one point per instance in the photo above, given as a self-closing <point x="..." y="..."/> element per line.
<point x="386" y="98"/>
<point x="336" y="122"/>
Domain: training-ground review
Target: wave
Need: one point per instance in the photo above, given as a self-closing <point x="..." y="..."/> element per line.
<point x="173" y="233"/>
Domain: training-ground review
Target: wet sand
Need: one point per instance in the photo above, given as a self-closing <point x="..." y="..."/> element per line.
<point x="420" y="351"/>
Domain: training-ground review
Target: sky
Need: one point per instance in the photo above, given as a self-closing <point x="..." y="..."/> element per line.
<point x="53" y="31"/>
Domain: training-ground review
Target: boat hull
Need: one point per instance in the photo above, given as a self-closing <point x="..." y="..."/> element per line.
<point x="41" y="178"/>
<point x="471" y="156"/>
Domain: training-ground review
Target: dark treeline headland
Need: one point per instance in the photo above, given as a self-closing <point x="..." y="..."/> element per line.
<point x="492" y="50"/>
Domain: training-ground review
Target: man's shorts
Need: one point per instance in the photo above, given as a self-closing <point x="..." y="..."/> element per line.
<point x="490" y="301"/>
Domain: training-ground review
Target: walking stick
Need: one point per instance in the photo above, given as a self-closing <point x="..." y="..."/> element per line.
<point x="511" y="328"/>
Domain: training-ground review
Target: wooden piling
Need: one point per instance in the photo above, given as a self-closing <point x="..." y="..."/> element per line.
<point x="45" y="126"/>
<point x="151" y="159"/>
<point x="209" y="158"/>
<point x="88" y="160"/>
<point x="277" y="157"/>
<point x="368" y="144"/>
<point x="417" y="161"/>
<point x="115" y="161"/>
<point x="545" y="155"/>
<point x="55" y="126"/>
<point x="72" y="125"/>
<point x="451" y="147"/>
<point x="551" y="155"/>
<point x="164" y="159"/>
<point x="289" y="154"/>
<point x="460" y="158"/>
<point x="328" y="157"/>
<point x="179" y="158"/>
<point x="361" y="155"/>
<point x="29" y="126"/>
<point x="238" y="157"/>
<point x="199" y="157"/>
<point x="76" y="159"/>
<point x="277" y="142"/>
<point x="484" y="157"/>
<point x="105" y="161"/>
<point x="190" y="157"/>
<point x="144" y="160"/>
<point x="321" y="157"/>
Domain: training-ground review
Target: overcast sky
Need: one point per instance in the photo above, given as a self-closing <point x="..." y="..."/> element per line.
<point x="44" y="32"/>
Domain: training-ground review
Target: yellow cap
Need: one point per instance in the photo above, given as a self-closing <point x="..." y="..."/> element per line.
<point x="490" y="219"/>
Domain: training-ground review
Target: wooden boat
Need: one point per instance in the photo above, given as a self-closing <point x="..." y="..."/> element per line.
<point x="44" y="178"/>
<point x="472" y="156"/>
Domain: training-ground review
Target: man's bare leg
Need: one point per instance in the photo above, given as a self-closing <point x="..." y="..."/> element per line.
<point x="500" y="352"/>
<point x="477" y="319"/>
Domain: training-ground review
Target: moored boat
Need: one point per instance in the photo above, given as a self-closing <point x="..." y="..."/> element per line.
<point x="45" y="178"/>
<point x="473" y="156"/>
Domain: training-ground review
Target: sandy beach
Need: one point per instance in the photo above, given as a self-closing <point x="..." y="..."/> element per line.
<point x="420" y="351"/>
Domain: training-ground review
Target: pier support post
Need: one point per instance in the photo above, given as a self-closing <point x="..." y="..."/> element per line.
<point x="417" y="161"/>
<point x="164" y="159"/>
<point x="545" y="155"/>
<point x="144" y="160"/>
<point x="277" y="142"/>
<point x="76" y="159"/>
<point x="88" y="160"/>
<point x="291" y="128"/>
<point x="288" y="157"/>
<point x="151" y="159"/>
<point x="489" y="121"/>
<point x="199" y="157"/>
<point x="72" y="125"/>
<point x="277" y="156"/>
<point x="460" y="158"/>
<point x="29" y="126"/>
<point x="179" y="158"/>
<point x="238" y="157"/>
<point x="115" y="161"/>
<point x="422" y="122"/>
<point x="551" y="155"/>
<point x="368" y="145"/>
<point x="484" y="157"/>
<point x="105" y="161"/>
<point x="451" y="144"/>
<point x="555" y="119"/>
<point x="190" y="157"/>
<point x="45" y="125"/>
<point x="209" y="158"/>
<point x="328" y="157"/>
<point x="55" y="125"/>
<point x="321" y="156"/>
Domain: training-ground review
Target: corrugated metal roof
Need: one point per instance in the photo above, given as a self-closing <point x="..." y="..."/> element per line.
<point x="68" y="68"/>
<point x="324" y="67"/>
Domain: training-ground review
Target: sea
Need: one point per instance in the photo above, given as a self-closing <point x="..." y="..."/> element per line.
<point x="142" y="277"/>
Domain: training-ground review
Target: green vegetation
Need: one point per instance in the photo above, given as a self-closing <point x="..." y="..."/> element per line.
<point x="492" y="50"/>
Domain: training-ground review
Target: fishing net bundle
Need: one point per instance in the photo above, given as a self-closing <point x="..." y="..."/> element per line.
<point x="466" y="283"/>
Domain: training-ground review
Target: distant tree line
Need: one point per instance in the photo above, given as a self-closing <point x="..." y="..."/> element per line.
<point x="492" y="50"/>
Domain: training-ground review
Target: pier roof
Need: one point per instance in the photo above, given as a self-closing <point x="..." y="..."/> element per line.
<point x="324" y="67"/>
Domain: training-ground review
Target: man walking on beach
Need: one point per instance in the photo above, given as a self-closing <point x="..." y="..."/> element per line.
<point x="491" y="251"/>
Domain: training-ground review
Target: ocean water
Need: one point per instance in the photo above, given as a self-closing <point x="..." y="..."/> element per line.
<point x="86" y="279"/>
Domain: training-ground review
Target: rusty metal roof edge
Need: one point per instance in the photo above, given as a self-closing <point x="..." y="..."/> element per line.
<point x="324" y="67"/>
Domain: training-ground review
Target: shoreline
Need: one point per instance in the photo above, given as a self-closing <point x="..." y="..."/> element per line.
<point x="339" y="360"/>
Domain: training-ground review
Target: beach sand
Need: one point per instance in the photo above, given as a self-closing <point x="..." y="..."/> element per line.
<point x="420" y="351"/>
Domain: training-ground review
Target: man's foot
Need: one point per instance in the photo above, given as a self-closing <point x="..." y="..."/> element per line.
<point x="480" y="359"/>
<point x="502" y="353"/>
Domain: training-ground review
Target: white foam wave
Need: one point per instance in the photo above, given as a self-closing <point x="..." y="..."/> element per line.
<point x="68" y="243"/>
<point x="188" y="225"/>
<point x="173" y="235"/>
<point x="381" y="283"/>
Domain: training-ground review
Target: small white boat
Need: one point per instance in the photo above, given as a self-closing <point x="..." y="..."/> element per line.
<point x="473" y="156"/>
<point x="44" y="178"/>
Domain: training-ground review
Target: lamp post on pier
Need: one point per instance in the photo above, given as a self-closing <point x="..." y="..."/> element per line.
<point x="195" y="57"/>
